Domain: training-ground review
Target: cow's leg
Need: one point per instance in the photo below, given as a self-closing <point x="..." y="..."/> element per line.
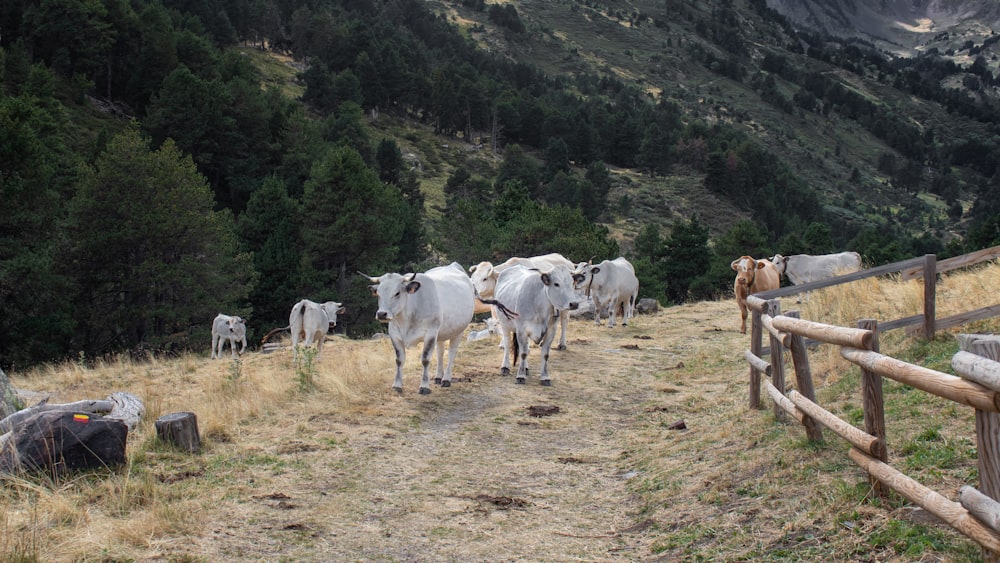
<point x="545" y="347"/>
<point x="452" y="352"/>
<point x="523" y="342"/>
<point x="215" y="344"/>
<point x="232" y="346"/>
<point x="400" y="359"/>
<point x="320" y="336"/>
<point x="563" y="322"/>
<point x="597" y="311"/>
<point x="743" y="317"/>
<point x="631" y="306"/>
<point x="612" y="311"/>
<point x="439" y="377"/>
<point x="505" y="340"/>
<point x="425" y="360"/>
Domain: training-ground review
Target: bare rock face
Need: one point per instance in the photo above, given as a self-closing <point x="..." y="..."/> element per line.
<point x="895" y="24"/>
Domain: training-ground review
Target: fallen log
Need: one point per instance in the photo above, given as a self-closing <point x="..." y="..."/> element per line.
<point x="121" y="406"/>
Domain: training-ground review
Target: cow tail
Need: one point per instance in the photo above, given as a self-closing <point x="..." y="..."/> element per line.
<point x="501" y="307"/>
<point x="514" y="350"/>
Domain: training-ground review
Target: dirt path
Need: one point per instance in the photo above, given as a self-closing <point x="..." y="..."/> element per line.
<point x="469" y="473"/>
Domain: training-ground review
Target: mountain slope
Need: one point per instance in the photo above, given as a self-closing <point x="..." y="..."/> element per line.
<point x="681" y="51"/>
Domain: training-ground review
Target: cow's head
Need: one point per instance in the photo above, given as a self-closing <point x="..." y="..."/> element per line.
<point x="584" y="273"/>
<point x="332" y="309"/>
<point x="746" y="269"/>
<point x="392" y="291"/>
<point x="484" y="279"/>
<point x="780" y="262"/>
<point x="559" y="288"/>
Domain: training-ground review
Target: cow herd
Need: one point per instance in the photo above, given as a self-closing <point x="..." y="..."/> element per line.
<point x="525" y="298"/>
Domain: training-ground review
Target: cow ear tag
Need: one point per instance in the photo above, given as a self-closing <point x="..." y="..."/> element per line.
<point x="412" y="287"/>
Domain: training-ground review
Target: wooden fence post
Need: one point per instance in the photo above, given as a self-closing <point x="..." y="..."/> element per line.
<point x="874" y="406"/>
<point x="803" y="379"/>
<point x="930" y="291"/>
<point x="755" y="348"/>
<point x="987" y="434"/>
<point x="773" y="308"/>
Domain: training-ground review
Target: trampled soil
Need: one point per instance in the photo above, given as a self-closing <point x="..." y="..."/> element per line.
<point x="486" y="470"/>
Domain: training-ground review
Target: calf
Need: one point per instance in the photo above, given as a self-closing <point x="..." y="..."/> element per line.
<point x="231" y="328"/>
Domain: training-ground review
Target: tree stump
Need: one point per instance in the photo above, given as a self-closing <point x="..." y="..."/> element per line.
<point x="179" y="429"/>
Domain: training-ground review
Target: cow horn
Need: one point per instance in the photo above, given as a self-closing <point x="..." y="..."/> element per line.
<point x="370" y="278"/>
<point x="591" y="261"/>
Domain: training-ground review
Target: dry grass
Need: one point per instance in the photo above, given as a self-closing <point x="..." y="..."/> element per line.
<point x="349" y="470"/>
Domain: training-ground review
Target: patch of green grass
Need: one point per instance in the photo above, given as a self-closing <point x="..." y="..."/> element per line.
<point x="933" y="354"/>
<point x="913" y="540"/>
<point x="275" y="72"/>
<point x="929" y="449"/>
<point x="684" y="537"/>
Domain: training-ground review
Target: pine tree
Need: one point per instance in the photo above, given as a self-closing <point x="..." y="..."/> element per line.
<point x="151" y="256"/>
<point x="269" y="228"/>
<point x="352" y="222"/>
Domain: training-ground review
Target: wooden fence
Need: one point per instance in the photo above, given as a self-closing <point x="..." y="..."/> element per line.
<point x="977" y="514"/>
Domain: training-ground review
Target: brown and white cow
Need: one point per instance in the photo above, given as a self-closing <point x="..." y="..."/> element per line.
<point x="752" y="276"/>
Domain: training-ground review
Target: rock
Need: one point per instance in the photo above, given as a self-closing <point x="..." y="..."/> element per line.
<point x="61" y="441"/>
<point x="647" y="305"/>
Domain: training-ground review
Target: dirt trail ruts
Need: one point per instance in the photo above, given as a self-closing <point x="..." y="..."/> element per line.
<point x="468" y="473"/>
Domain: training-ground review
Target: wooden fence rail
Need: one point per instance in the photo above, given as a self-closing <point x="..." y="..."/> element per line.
<point x="977" y="515"/>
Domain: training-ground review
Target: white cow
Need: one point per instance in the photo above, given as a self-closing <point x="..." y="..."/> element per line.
<point x="484" y="278"/>
<point x="611" y="284"/>
<point x="805" y="268"/>
<point x="536" y="297"/>
<point x="310" y="321"/>
<point x="231" y="328"/>
<point x="433" y="307"/>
